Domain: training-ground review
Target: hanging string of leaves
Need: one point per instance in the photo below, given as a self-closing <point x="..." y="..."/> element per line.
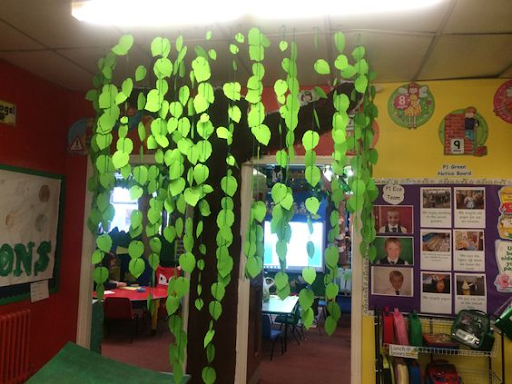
<point x="179" y="135"/>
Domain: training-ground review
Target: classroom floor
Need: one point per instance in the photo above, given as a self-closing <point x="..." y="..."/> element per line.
<point x="318" y="359"/>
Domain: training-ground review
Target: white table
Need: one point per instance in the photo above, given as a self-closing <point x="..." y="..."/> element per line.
<point x="276" y="306"/>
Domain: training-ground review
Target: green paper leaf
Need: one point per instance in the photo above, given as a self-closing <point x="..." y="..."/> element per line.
<point x="330" y="325"/>
<point x="172" y="304"/>
<point x="339" y="41"/>
<point x="261" y="133"/>
<point x="199" y="303"/>
<point x="208" y="337"/>
<point x="310" y="248"/>
<point x="187" y="262"/>
<point x="136" y="267"/>
<point x="136" y="192"/>
<point x="232" y="90"/>
<point x="233" y="48"/>
<point x="332" y="256"/>
<point x="283" y="45"/>
<point x="201" y="173"/>
<point x="124" y="45"/>
<point x="322" y="67"/>
<point x="160" y="47"/>
<point x="140" y="73"/>
<point x="253" y="266"/>
<point x="218" y="291"/>
<point x="280" y="87"/>
<point x="309" y="275"/>
<point x="136" y="249"/>
<point x="104" y="243"/>
<point x="341" y="62"/>
<point x="223" y="133"/>
<point x="229" y="185"/>
<point x="312" y="175"/>
<point x="331" y="291"/>
<point x="182" y="286"/>
<point x="308" y="317"/>
<point x="306" y="298"/>
<point x="312" y="205"/>
<point x="310" y="140"/>
<point x="361" y="83"/>
<point x="201" y="69"/>
<point x="358" y="53"/>
<point x="215" y="309"/>
<point x="192" y="196"/>
<point x="100" y="275"/>
<point x="280" y="280"/>
<point x="170" y="234"/>
<point x="234" y="113"/>
<point x="279" y="192"/>
<point x="259" y="210"/>
<point x="209" y="375"/>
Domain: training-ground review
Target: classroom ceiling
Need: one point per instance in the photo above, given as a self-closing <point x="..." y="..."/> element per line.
<point x="456" y="39"/>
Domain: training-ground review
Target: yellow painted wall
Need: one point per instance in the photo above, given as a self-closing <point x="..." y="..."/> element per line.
<point x="419" y="152"/>
<point x="405" y="153"/>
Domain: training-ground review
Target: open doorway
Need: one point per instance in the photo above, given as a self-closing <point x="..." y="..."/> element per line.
<point x="307" y="353"/>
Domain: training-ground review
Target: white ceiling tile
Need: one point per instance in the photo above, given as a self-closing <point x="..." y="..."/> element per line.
<point x="11" y="39"/>
<point x="460" y="57"/>
<point x="395" y="57"/>
<point x="425" y="20"/>
<point x="50" y="66"/>
<point x="50" y="22"/>
<point x="481" y="16"/>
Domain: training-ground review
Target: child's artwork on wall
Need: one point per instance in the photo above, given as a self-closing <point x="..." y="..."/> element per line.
<point x="464" y="132"/>
<point x="503" y="102"/>
<point x="30" y="207"/>
<point x="411" y="105"/>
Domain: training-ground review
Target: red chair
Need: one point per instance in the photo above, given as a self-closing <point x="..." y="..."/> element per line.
<point x="162" y="277"/>
<point x="118" y="310"/>
<point x="164" y="274"/>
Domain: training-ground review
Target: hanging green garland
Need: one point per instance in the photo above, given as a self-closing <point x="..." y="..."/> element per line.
<point x="180" y="138"/>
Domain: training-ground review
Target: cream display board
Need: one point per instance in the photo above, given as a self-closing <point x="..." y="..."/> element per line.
<point x="29" y="226"/>
<point x="446" y="246"/>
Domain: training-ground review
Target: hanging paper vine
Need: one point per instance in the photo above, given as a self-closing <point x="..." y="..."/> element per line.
<point x="179" y="132"/>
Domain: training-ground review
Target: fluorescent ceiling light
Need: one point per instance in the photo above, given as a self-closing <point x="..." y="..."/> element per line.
<point x="174" y="12"/>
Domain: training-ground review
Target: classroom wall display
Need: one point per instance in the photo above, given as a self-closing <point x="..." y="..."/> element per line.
<point x="503" y="102"/>
<point x="411" y="105"/>
<point x="464" y="132"/>
<point x="505" y="219"/>
<point x="30" y="210"/>
<point x="455" y="256"/>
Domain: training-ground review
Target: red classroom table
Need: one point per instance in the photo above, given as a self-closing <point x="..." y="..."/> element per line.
<point x="133" y="294"/>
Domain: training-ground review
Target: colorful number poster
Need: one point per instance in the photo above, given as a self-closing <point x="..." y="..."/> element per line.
<point x="503" y="102"/>
<point x="436" y="292"/>
<point x="464" y="132"/>
<point x="470" y="292"/>
<point x="411" y="105"/>
<point x="469" y="207"/>
<point x="436" y="208"/>
<point x="436" y="248"/>
<point x="468" y="250"/>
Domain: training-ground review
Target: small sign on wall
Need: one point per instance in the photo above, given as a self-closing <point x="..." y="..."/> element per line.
<point x="7" y="113"/>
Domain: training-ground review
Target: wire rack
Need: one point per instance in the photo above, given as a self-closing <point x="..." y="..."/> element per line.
<point x="473" y="376"/>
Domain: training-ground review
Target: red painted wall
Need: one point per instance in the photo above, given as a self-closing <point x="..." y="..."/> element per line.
<point x="39" y="141"/>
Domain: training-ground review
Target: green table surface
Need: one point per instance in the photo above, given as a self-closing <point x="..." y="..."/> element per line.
<point x="77" y="365"/>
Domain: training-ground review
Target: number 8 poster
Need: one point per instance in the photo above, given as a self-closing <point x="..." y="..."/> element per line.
<point x="411" y="105"/>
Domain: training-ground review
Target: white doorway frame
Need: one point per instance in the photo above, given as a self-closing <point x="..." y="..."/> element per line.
<point x="83" y="332"/>
<point x="244" y="286"/>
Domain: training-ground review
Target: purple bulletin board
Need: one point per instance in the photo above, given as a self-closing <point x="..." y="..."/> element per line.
<point x="444" y="267"/>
